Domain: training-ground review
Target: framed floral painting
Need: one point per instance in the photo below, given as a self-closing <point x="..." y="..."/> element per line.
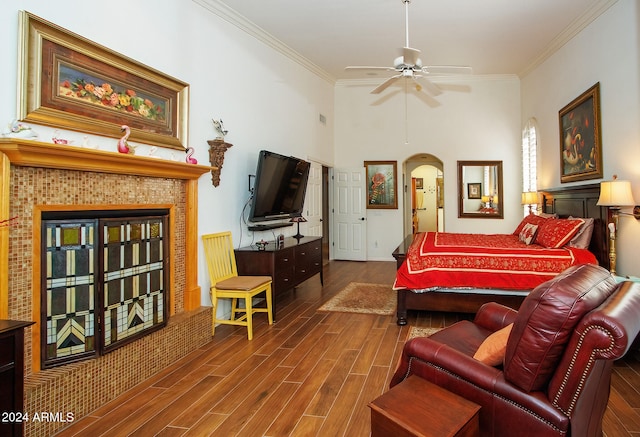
<point x="382" y="187"/>
<point x="70" y="82"/>
<point x="580" y="138"/>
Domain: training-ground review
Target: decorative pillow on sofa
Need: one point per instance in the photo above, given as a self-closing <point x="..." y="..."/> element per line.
<point x="492" y="349"/>
<point x="555" y="233"/>
<point x="546" y="320"/>
<point x="528" y="233"/>
<point x="531" y="218"/>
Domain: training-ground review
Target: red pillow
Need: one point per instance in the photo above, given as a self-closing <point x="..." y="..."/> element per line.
<point x="531" y="218"/>
<point x="555" y="233"/>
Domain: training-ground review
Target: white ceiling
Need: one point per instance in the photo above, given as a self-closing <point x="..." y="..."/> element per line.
<point x="492" y="36"/>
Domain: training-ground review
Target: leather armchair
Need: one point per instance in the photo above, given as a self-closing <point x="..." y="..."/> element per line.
<point x="556" y="373"/>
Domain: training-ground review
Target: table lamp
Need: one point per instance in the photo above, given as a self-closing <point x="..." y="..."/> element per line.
<point x="614" y="194"/>
<point x="530" y="198"/>
<point x="299" y="219"/>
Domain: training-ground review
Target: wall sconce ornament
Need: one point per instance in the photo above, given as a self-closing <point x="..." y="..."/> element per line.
<point x="217" y="148"/>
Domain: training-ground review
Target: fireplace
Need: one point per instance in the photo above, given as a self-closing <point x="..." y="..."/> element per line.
<point x="103" y="281"/>
<point x="40" y="178"/>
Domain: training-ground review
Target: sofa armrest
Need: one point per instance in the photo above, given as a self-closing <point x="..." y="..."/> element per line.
<point x="494" y="316"/>
<point x="461" y="374"/>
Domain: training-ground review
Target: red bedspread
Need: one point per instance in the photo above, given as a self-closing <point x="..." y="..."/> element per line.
<point x="500" y="261"/>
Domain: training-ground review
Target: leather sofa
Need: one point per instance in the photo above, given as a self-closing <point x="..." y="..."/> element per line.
<point x="554" y="377"/>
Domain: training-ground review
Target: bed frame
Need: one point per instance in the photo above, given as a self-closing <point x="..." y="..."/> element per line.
<point x="576" y="201"/>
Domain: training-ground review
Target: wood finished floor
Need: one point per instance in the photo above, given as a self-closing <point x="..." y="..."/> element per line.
<point x="310" y="374"/>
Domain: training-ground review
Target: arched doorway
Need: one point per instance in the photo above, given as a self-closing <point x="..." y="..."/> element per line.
<point x="423" y="196"/>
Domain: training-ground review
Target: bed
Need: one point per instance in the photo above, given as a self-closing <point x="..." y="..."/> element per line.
<point x="426" y="294"/>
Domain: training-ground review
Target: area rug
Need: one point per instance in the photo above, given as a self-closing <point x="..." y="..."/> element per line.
<point x="358" y="297"/>
<point x="421" y="332"/>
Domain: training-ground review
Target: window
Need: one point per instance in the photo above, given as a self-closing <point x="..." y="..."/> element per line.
<point x="529" y="161"/>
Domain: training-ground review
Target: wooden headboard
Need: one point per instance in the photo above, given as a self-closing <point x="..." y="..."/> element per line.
<point x="580" y="201"/>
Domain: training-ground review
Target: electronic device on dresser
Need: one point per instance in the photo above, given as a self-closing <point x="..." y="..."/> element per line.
<point x="279" y="189"/>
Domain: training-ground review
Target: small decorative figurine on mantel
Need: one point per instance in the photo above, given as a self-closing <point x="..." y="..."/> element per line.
<point x="123" y="145"/>
<point x="16" y="129"/>
<point x="189" y="159"/>
<point x="217" y="148"/>
<point x="57" y="140"/>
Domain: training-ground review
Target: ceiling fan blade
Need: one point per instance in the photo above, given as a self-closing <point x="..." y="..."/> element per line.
<point x="431" y="87"/>
<point x="384" y="85"/>
<point x="447" y="69"/>
<point x="410" y="55"/>
<point x="367" y="67"/>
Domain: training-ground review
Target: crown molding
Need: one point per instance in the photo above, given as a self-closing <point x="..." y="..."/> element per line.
<point x="226" y="13"/>
<point x="578" y="25"/>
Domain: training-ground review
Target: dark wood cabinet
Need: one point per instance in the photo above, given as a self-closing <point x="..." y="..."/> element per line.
<point x="12" y="376"/>
<point x="289" y="264"/>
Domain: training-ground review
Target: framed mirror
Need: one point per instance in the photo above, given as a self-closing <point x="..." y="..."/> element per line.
<point x="480" y="189"/>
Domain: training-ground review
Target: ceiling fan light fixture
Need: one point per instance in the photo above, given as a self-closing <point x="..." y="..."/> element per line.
<point x="409" y="65"/>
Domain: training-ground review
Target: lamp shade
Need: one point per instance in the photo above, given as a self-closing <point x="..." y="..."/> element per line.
<point x="616" y="193"/>
<point x="529" y="198"/>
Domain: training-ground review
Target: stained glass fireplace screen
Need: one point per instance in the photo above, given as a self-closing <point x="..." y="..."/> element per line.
<point x="68" y="301"/>
<point x="134" y="277"/>
<point x="104" y="284"/>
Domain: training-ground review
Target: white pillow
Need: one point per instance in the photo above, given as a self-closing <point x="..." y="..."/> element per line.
<point x="528" y="233"/>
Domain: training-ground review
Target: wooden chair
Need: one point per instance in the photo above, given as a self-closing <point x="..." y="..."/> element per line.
<point x="226" y="284"/>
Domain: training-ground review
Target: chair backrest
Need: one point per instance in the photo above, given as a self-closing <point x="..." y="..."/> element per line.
<point x="221" y="259"/>
<point x="565" y="338"/>
<point x="546" y="320"/>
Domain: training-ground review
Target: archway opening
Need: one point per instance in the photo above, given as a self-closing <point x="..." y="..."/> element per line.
<point x="423" y="194"/>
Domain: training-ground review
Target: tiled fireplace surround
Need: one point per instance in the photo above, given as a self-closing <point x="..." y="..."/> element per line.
<point x="37" y="177"/>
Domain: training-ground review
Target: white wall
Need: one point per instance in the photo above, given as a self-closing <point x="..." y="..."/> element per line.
<point x="606" y="52"/>
<point x="481" y="123"/>
<point x="267" y="100"/>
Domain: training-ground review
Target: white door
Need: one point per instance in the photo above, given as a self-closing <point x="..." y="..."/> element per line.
<point x="313" y="202"/>
<point x="349" y="232"/>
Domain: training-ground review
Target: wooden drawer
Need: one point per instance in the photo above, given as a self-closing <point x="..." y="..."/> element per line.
<point x="308" y="260"/>
<point x="284" y="261"/>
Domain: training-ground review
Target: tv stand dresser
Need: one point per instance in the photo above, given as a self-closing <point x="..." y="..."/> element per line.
<point x="289" y="264"/>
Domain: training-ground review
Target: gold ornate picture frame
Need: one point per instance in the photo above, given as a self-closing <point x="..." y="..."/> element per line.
<point x="581" y="138"/>
<point x="70" y="82"/>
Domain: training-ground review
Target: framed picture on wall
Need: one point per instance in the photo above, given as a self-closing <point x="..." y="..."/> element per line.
<point x="474" y="190"/>
<point x="382" y="184"/>
<point x="580" y="138"/>
<point x="70" y="82"/>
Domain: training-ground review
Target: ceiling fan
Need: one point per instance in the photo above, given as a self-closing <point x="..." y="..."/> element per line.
<point x="409" y="66"/>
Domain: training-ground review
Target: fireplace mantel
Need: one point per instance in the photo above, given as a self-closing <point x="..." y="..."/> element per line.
<point x="29" y="153"/>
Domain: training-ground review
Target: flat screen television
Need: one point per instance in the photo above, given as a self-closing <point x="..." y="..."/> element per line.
<point x="279" y="188"/>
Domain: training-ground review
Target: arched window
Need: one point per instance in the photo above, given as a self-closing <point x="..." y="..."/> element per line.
<point x="529" y="161"/>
